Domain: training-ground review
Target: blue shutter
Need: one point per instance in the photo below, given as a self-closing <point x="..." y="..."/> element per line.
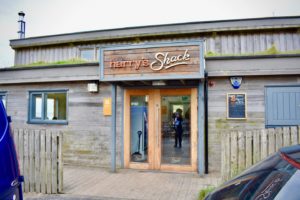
<point x="282" y="105"/>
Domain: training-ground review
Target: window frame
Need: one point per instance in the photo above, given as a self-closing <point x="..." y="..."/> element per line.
<point x="4" y="93"/>
<point x="95" y="53"/>
<point x="44" y="93"/>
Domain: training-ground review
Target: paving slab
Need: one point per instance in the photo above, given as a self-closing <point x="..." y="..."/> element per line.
<point x="100" y="183"/>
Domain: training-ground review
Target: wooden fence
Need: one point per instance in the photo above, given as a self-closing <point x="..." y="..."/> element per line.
<point x="40" y="160"/>
<point x="241" y="149"/>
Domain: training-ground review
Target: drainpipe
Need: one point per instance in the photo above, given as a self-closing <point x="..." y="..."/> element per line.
<point x="201" y="125"/>
<point x="206" y="121"/>
<point x="113" y="127"/>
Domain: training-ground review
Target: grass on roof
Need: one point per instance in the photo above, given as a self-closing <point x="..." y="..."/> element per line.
<point x="61" y="62"/>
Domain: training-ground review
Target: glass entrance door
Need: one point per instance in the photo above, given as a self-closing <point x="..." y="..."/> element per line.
<point x="160" y="129"/>
<point x="176" y="129"/>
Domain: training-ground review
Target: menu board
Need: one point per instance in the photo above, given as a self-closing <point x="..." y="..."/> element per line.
<point x="236" y="106"/>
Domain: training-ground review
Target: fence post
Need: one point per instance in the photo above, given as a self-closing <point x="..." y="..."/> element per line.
<point x="271" y="140"/>
<point x="54" y="162"/>
<point x="256" y="146"/>
<point x="294" y="138"/>
<point x="43" y="162"/>
<point x="31" y="162"/>
<point x="21" y="154"/>
<point x="278" y="138"/>
<point x="241" y="151"/>
<point x="286" y="136"/>
<point x="60" y="162"/>
<point x="234" y="154"/>
<point x="264" y="143"/>
<point x="48" y="161"/>
<point x="37" y="161"/>
<point x="248" y="149"/>
<point x="26" y="161"/>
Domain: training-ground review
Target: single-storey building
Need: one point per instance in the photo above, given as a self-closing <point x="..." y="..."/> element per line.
<point x="156" y="97"/>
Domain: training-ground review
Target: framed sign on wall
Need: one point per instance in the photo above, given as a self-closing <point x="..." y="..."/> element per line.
<point x="236" y="105"/>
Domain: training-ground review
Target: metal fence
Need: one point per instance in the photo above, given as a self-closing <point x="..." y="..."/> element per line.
<point x="242" y="149"/>
<point x="40" y="160"/>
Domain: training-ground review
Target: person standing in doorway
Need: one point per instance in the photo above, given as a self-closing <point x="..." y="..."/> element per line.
<point x="178" y="128"/>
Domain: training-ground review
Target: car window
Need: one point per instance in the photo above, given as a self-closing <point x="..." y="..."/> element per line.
<point x="291" y="189"/>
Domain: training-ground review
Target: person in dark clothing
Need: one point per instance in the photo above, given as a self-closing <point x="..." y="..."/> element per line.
<point x="178" y="127"/>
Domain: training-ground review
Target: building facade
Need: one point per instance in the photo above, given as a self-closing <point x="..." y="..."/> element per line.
<point x="156" y="97"/>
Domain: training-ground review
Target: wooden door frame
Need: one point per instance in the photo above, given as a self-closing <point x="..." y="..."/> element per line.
<point x="194" y="127"/>
<point x="127" y="139"/>
<point x="154" y="142"/>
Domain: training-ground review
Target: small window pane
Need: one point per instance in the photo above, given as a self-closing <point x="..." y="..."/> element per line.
<point x="87" y="54"/>
<point x="37" y="106"/>
<point x="56" y="108"/>
<point x="3" y="99"/>
<point x="139" y="128"/>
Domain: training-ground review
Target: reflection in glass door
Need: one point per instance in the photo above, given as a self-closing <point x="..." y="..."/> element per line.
<point x="139" y="128"/>
<point x="175" y="129"/>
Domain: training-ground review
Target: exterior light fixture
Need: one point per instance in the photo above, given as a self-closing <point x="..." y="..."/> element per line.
<point x="92" y="87"/>
<point x="158" y="83"/>
<point x="236" y="81"/>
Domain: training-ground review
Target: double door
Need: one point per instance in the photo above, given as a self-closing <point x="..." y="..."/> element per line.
<point x="160" y="129"/>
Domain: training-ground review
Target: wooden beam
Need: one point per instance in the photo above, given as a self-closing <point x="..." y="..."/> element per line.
<point x="146" y="82"/>
<point x="128" y="83"/>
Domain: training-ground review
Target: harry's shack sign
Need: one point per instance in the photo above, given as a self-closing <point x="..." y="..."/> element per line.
<point x="178" y="60"/>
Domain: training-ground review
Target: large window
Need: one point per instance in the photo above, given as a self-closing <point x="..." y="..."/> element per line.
<point x="3" y="98"/>
<point x="282" y="105"/>
<point x="48" y="107"/>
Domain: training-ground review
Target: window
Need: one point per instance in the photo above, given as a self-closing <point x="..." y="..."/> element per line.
<point x="3" y="98"/>
<point x="282" y="105"/>
<point x="48" y="107"/>
<point x="89" y="54"/>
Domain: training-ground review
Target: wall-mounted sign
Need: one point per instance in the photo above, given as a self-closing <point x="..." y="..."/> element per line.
<point x="107" y="111"/>
<point x="178" y="60"/>
<point x="236" y="105"/>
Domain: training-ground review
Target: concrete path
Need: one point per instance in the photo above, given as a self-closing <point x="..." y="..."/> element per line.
<point x="98" y="183"/>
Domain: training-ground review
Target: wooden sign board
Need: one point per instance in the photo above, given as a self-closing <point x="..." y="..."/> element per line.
<point x="177" y="60"/>
<point x="107" y="110"/>
<point x="236" y="106"/>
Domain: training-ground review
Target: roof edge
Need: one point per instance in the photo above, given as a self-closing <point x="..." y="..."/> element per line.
<point x="161" y="30"/>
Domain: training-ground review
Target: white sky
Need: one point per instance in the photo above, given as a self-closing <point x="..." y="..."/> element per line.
<point x="47" y="17"/>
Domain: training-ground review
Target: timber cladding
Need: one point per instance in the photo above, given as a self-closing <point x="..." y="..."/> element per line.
<point x="152" y="62"/>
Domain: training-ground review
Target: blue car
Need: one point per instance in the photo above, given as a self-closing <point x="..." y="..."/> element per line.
<point x="10" y="178"/>
<point x="277" y="177"/>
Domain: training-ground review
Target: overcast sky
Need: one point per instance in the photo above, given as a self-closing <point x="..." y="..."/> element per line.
<point x="46" y="17"/>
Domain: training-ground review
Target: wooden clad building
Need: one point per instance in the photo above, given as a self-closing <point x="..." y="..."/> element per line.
<point x="156" y="97"/>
